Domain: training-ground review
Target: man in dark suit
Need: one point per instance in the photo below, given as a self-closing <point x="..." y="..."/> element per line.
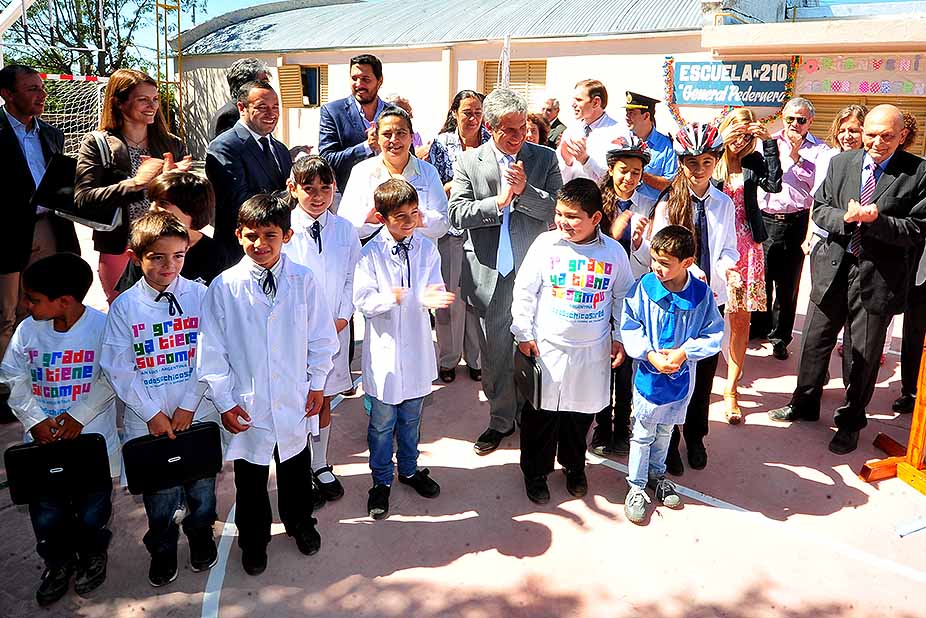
<point x="346" y="129"/>
<point x="550" y="112"/>
<point x="246" y="160"/>
<point x="503" y="195"/>
<point x="239" y="73"/>
<point x="873" y="205"/>
<point x="27" y="144"/>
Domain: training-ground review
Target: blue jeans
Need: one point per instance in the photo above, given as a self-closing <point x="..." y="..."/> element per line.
<point x="403" y="421"/>
<point x="71" y="527"/>
<point x="648" y="447"/>
<point x="163" y="532"/>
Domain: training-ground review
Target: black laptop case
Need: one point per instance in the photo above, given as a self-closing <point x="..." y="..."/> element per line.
<point x="527" y="378"/>
<point x="57" y="470"/>
<point x="153" y="463"/>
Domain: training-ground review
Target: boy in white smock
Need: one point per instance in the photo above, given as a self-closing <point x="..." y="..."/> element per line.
<point x="569" y="289"/>
<point x="398" y="279"/>
<point x="329" y="246"/>
<point x="58" y="392"/>
<point x="149" y="354"/>
<point x="268" y="340"/>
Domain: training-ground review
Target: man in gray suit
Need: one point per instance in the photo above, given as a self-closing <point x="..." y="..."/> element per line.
<point x="503" y="196"/>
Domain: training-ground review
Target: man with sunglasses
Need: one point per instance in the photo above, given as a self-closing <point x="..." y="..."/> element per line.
<point x="786" y="216"/>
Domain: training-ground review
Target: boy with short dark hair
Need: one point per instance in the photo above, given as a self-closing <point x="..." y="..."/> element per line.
<point x="149" y="354"/>
<point x="268" y="340"/>
<point x="670" y="322"/>
<point x="58" y="392"/>
<point x="398" y="279"/>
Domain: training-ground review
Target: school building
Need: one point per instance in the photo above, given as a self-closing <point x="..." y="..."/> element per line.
<point x="834" y="54"/>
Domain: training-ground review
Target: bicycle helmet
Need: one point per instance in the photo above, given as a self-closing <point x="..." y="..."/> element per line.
<point x="696" y="139"/>
<point x="632" y="148"/>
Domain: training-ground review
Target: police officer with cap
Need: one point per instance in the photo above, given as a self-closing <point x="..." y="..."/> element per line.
<point x="663" y="165"/>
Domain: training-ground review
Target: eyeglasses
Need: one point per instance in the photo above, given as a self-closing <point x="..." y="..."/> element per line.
<point x="798" y="119"/>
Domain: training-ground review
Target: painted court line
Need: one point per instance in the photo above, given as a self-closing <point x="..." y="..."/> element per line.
<point x="213" y="591"/>
<point x="871" y="560"/>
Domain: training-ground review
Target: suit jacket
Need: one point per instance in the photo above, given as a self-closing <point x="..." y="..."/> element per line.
<point x="473" y="208"/>
<point x="224" y="118"/>
<point x="886" y="260"/>
<point x="341" y="138"/>
<point x="237" y="168"/>
<point x="760" y="169"/>
<point x="98" y="186"/>
<point x="18" y="187"/>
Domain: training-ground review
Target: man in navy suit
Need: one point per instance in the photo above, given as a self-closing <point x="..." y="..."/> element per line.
<point x="246" y="160"/>
<point x="27" y="144"/>
<point x="346" y="130"/>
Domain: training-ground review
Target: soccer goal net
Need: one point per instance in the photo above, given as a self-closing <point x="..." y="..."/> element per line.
<point x="74" y="105"/>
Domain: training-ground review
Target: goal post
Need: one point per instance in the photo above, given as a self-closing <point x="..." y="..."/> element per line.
<point x="74" y="105"/>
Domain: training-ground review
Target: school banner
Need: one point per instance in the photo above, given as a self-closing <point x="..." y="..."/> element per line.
<point x="741" y="83"/>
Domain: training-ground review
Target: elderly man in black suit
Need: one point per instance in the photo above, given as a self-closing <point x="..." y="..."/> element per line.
<point x="27" y="145"/>
<point x="246" y="160"/>
<point x="873" y="204"/>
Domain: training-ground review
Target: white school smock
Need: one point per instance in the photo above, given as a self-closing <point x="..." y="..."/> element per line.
<point x="150" y="355"/>
<point x="370" y="173"/>
<point x="51" y="373"/>
<point x="265" y="356"/>
<point x="399" y="362"/>
<point x="334" y="270"/>
<point x="568" y="299"/>
<point x="607" y="134"/>
<point x="721" y="230"/>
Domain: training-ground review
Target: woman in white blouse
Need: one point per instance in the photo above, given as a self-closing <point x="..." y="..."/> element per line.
<point x="394" y="135"/>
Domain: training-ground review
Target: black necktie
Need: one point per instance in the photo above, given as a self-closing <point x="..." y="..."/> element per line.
<point x="316" y="233"/>
<point x="404" y="247"/>
<point x="268" y="284"/>
<point x="173" y="307"/>
<point x="265" y="146"/>
<point x="704" y="248"/>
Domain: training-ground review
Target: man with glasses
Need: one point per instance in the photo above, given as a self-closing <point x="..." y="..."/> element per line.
<point x="550" y="113"/>
<point x="786" y="216"/>
<point x="503" y="193"/>
<point x="246" y="160"/>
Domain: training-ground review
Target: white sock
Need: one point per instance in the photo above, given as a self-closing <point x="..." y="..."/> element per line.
<point x="320" y="454"/>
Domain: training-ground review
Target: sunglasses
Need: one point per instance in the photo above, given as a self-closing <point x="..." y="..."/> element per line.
<point x="798" y="119"/>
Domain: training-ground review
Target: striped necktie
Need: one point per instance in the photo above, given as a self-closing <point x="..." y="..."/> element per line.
<point x="855" y="242"/>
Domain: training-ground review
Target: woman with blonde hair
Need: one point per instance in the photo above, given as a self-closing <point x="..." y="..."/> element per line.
<point x="739" y="173"/>
<point x="131" y="147"/>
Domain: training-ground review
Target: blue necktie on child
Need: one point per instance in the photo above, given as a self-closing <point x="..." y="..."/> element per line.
<point x="704" y="247"/>
<point x="504" y="261"/>
<point x="404" y="247"/>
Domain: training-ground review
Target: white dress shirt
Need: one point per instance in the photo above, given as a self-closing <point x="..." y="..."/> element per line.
<point x="370" y="173"/>
<point x="606" y="134"/>
<point x="399" y="362"/>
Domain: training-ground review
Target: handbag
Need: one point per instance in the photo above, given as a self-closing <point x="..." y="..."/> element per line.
<point x="57" y="470"/>
<point x="527" y="376"/>
<point x="153" y="463"/>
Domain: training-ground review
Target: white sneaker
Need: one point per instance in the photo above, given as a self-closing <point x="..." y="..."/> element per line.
<point x="635" y="504"/>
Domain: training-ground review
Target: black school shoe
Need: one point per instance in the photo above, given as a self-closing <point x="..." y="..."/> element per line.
<point x="904" y="404"/>
<point x="307" y="538"/>
<point x="55" y="584"/>
<point x="163" y="569"/>
<point x="203" y="552"/>
<point x="91" y="573"/>
<point x="254" y="560"/>
<point x="844" y="442"/>
<point x="329" y="491"/>
<point x="490" y="440"/>
<point x="576" y="482"/>
<point x="537" y="490"/>
<point x="601" y="441"/>
<point x="697" y="456"/>
<point x="474" y="374"/>
<point x="422" y="482"/>
<point x="378" y="502"/>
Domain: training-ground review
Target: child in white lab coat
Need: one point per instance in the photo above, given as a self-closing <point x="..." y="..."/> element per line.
<point x="58" y="392"/>
<point x="569" y="289"/>
<point x="149" y="354"/>
<point x="329" y="246"/>
<point x="268" y="339"/>
<point x="398" y="279"/>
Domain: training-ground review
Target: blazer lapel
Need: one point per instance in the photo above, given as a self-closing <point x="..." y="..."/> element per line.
<point x="9" y="143"/>
<point x="251" y="146"/>
<point x="855" y="176"/>
<point x="49" y="147"/>
<point x="353" y="116"/>
<point x="490" y="167"/>
<point x="526" y="154"/>
<point x="888" y="176"/>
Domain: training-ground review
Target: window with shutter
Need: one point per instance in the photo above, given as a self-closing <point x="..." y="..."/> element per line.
<point x="303" y="86"/>
<point x="528" y="78"/>
<point x="827" y="107"/>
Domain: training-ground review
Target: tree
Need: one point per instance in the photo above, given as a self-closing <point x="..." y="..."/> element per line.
<point x="64" y="36"/>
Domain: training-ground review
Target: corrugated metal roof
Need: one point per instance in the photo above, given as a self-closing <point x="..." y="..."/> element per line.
<point x="398" y="23"/>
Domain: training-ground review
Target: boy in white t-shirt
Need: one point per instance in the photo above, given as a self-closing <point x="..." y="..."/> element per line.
<point x="58" y="392"/>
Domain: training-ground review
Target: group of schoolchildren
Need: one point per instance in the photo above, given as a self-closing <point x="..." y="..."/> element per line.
<point x="263" y="349"/>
